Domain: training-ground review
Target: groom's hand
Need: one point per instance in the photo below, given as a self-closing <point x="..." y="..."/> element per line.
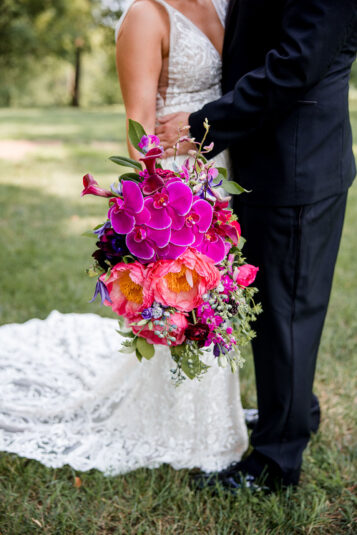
<point x="172" y="127"/>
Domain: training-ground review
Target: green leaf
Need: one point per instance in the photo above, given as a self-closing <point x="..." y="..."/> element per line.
<point x="138" y="323"/>
<point x="126" y="162"/>
<point x="89" y="234"/>
<point x="128" y="259"/>
<point x="222" y="171"/>
<point x="126" y="334"/>
<point x="233" y="187"/>
<point x="192" y="366"/>
<point x="241" y="243"/>
<point x="130" y="176"/>
<point x="201" y="157"/>
<point x="135" y="133"/>
<point x="138" y="355"/>
<point x="128" y="348"/>
<point x="146" y="350"/>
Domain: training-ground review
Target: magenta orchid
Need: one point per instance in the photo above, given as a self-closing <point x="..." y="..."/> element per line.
<point x="212" y="245"/>
<point x="144" y="242"/>
<point x="125" y="213"/>
<point x="168" y="206"/>
<point x="195" y="223"/>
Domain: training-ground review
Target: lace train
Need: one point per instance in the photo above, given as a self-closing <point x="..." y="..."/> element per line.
<point x="69" y="397"/>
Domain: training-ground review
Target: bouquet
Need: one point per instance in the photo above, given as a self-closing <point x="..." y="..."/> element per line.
<point x="169" y="258"/>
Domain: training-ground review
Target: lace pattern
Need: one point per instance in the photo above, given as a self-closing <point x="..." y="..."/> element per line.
<point x="69" y="397"/>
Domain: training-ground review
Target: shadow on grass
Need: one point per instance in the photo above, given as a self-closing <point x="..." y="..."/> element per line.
<point x="44" y="256"/>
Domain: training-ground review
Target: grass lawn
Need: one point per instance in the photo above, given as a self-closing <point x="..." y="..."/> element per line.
<point x="43" y="258"/>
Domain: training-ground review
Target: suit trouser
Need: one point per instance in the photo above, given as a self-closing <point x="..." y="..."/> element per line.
<point x="296" y="250"/>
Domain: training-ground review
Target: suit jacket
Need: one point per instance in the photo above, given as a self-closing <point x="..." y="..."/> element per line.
<point x="284" y="111"/>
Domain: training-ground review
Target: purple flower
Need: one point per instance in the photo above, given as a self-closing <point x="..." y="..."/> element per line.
<point x="157" y="311"/>
<point x="101" y="230"/>
<point x="147" y="313"/>
<point x="216" y="350"/>
<point x="149" y="142"/>
<point x="127" y="212"/>
<point x="101" y="289"/>
<point x="117" y="189"/>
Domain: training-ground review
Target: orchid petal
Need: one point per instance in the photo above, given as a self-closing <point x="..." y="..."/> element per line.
<point x="122" y="222"/>
<point x="139" y="249"/>
<point x="159" y="219"/>
<point x="215" y="250"/>
<point x="171" y="252"/>
<point x="180" y="196"/>
<point x="178" y="221"/>
<point x="160" y="237"/>
<point x="143" y="217"/>
<point x="183" y="237"/>
<point x="133" y="198"/>
<point x="205" y="212"/>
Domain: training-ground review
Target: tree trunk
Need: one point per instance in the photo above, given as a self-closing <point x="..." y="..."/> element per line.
<point x="75" y="90"/>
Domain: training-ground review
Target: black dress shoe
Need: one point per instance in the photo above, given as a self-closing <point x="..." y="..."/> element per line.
<point x="262" y="471"/>
<point x="256" y="473"/>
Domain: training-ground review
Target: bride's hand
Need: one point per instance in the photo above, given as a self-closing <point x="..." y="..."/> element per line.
<point x="171" y="127"/>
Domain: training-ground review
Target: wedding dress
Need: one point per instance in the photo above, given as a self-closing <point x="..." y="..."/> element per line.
<point x="67" y="396"/>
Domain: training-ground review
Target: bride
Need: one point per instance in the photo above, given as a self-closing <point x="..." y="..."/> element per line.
<point x="67" y="395"/>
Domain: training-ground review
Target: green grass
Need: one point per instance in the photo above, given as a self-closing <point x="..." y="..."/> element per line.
<point x="43" y="258"/>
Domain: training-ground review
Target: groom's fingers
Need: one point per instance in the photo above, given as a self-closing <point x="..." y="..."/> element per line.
<point x="167" y="153"/>
<point x="165" y="118"/>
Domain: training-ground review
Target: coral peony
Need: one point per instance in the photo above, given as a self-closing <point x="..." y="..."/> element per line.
<point x="246" y="274"/>
<point x="178" y="323"/>
<point x="181" y="283"/>
<point x="126" y="289"/>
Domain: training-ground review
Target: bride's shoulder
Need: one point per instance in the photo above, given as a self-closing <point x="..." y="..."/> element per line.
<point x="141" y="16"/>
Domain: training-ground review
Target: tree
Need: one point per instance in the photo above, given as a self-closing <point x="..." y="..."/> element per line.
<point x="34" y="29"/>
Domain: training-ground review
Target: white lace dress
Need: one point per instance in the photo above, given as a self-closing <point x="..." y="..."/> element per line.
<point x="67" y="396"/>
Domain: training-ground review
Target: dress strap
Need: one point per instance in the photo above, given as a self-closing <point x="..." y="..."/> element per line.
<point x="170" y="10"/>
<point x="221" y="7"/>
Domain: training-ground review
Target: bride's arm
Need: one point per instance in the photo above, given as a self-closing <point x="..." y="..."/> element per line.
<point x="139" y="50"/>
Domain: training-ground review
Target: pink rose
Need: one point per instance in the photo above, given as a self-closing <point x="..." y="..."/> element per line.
<point x="177" y="319"/>
<point x="181" y="283"/>
<point x="126" y="289"/>
<point x="246" y="275"/>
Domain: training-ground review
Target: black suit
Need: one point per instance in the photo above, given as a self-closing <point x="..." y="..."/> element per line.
<point x="284" y="116"/>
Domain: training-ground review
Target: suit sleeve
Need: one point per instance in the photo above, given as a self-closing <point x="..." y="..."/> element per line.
<point x="313" y="32"/>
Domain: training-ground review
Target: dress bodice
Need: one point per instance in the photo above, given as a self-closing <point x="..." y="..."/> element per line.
<point x="194" y="64"/>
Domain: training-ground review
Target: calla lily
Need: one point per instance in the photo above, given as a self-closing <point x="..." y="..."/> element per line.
<point x="150" y="159"/>
<point x="91" y="187"/>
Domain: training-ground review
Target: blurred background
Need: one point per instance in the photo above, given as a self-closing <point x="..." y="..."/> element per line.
<point x="58" y="53"/>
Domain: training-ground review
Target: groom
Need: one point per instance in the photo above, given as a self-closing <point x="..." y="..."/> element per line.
<point x="284" y="117"/>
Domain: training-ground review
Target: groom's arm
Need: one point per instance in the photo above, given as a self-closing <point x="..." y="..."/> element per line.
<point x="313" y="32"/>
